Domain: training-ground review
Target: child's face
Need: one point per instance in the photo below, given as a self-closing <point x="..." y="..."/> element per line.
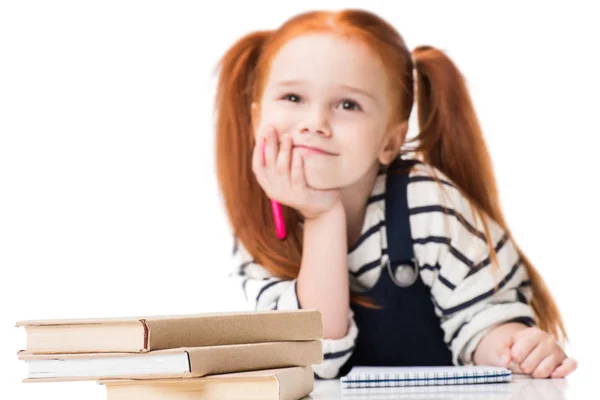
<point x="321" y="108"/>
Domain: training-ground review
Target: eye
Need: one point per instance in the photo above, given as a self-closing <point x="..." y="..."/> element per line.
<point x="350" y="105"/>
<point x="292" y="97"/>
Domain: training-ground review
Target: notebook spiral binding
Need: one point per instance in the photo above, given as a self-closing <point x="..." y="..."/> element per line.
<point x="423" y="379"/>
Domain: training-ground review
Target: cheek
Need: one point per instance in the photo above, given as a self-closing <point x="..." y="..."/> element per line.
<point x="358" y="140"/>
<point x="361" y="150"/>
<point x="273" y="113"/>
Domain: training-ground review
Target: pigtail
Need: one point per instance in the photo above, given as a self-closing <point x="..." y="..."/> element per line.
<point x="234" y="140"/>
<point x="450" y="139"/>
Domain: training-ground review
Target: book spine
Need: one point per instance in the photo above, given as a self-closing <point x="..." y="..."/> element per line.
<point x="235" y="329"/>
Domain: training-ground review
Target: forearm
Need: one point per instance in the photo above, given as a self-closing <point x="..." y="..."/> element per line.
<point x="323" y="277"/>
<point x="493" y="341"/>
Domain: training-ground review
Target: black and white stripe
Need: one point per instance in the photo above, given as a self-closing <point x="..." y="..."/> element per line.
<point x="454" y="259"/>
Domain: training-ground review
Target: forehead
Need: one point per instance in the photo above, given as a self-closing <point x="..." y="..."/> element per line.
<point x="326" y="59"/>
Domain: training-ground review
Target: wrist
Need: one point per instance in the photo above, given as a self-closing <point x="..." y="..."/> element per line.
<point x="334" y="212"/>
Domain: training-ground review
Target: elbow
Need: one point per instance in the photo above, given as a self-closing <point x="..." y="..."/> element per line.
<point x="336" y="332"/>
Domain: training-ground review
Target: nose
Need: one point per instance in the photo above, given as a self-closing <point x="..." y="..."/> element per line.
<point x="316" y="122"/>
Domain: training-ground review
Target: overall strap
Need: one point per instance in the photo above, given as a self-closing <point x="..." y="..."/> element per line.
<point x="399" y="238"/>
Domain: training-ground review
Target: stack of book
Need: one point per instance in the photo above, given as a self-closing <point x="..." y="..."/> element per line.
<point x="245" y="354"/>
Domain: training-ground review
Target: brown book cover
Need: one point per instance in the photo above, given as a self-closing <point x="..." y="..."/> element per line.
<point x="171" y="363"/>
<point x="144" y="334"/>
<point x="275" y="384"/>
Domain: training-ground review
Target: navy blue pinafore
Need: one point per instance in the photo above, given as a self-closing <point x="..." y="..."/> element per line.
<point x="405" y="331"/>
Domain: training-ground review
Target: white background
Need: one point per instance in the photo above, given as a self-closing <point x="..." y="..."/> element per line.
<point x="108" y="199"/>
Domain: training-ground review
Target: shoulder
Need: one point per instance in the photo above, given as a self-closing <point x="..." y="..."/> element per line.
<point x="432" y="196"/>
<point x="438" y="208"/>
<point x="429" y="185"/>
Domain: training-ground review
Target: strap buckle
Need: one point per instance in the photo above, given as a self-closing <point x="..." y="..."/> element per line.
<point x="405" y="274"/>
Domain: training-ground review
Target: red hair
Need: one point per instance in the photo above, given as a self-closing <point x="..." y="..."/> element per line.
<point x="449" y="139"/>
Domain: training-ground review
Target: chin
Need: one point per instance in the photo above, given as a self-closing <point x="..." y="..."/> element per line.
<point x="319" y="180"/>
<point x="319" y="184"/>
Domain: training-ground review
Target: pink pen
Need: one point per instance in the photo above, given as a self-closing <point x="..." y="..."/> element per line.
<point x="278" y="218"/>
<point x="276" y="207"/>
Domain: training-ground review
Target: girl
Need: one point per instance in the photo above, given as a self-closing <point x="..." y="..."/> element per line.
<point x="327" y="97"/>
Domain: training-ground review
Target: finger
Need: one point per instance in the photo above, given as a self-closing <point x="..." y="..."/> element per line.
<point x="258" y="157"/>
<point x="258" y="163"/>
<point x="282" y="166"/>
<point x="297" y="174"/>
<point x="539" y="353"/>
<point x="271" y="149"/>
<point x="503" y="354"/>
<point x="514" y="367"/>
<point x="504" y="357"/>
<point x="547" y="365"/>
<point x="568" y="365"/>
<point x="524" y="344"/>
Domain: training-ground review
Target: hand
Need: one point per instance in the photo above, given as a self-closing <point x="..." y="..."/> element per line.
<point x="534" y="352"/>
<point x="280" y="172"/>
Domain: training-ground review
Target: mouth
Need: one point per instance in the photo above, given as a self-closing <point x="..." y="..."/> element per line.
<point x="314" y="150"/>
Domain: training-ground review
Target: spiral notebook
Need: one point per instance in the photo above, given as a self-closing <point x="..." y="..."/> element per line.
<point x="360" y="376"/>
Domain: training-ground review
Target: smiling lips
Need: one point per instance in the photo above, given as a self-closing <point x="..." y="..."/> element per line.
<point x="314" y="150"/>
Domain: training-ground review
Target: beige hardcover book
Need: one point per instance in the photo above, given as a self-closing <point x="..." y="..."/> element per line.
<point x="143" y="334"/>
<point x="276" y="384"/>
<point x="171" y="363"/>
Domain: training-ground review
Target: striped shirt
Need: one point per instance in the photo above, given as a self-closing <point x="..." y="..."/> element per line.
<point x="454" y="261"/>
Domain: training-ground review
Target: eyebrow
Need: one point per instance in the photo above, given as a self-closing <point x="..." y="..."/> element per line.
<point x="296" y="82"/>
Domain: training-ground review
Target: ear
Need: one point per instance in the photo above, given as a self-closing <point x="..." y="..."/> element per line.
<point x="392" y="142"/>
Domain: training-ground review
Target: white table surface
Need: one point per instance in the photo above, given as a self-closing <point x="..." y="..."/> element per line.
<point x="520" y="388"/>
